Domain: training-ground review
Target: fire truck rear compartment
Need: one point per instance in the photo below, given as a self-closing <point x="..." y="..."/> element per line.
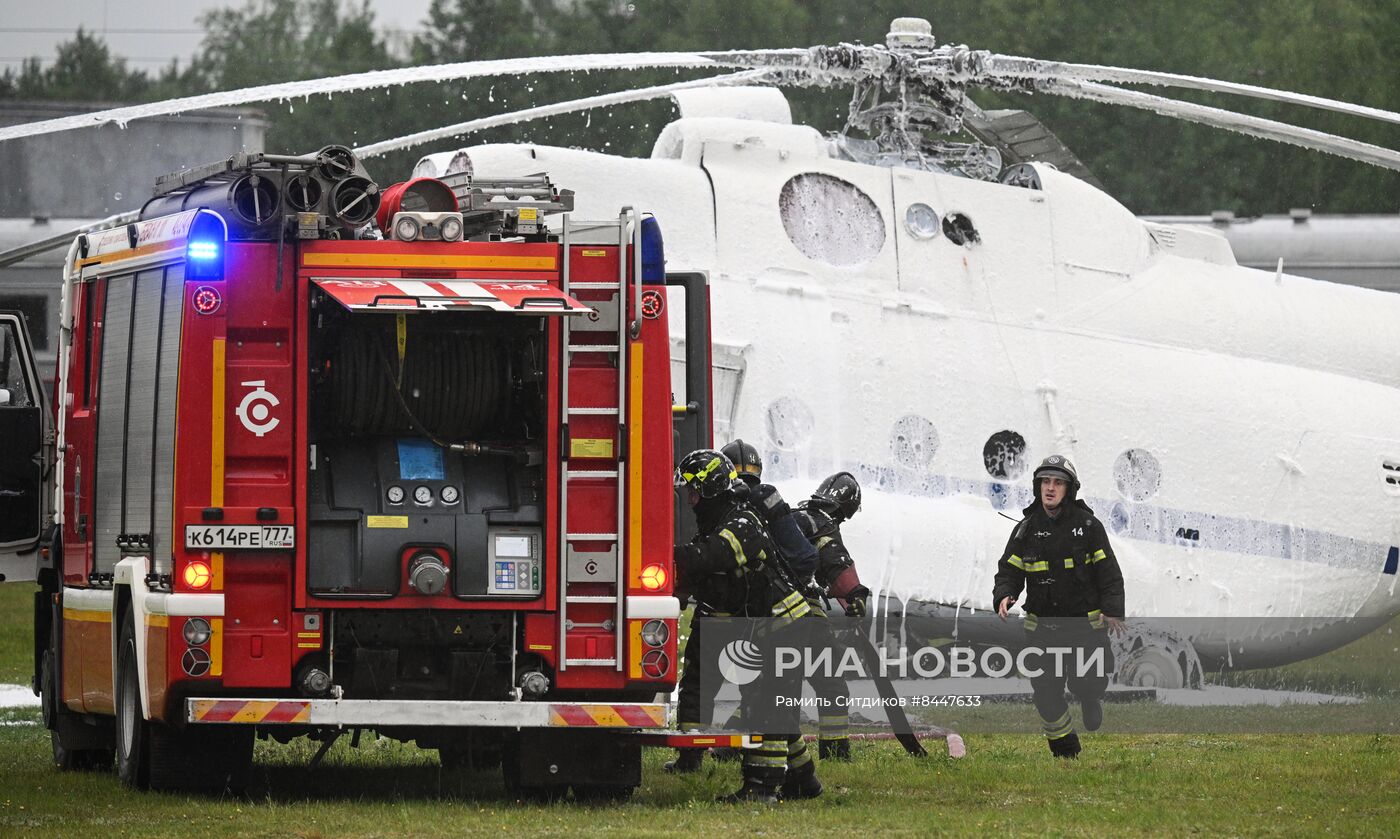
<point x="423" y="654"/>
<point x="426" y="432"/>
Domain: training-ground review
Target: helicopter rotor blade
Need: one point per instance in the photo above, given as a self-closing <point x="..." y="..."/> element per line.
<point x="20" y="253"/>
<point x="571" y="106"/>
<point x="1008" y="66"/>
<point x="384" y="78"/>
<point x="1229" y="120"/>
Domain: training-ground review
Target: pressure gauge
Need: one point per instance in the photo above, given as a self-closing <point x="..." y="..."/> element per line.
<point x="423" y="495"/>
<point x="395" y="495"/>
<point x="449" y="495"/>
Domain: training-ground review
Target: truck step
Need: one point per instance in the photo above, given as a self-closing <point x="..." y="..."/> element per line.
<point x="593" y="473"/>
<point x="591" y="598"/>
<point x="591" y="537"/>
<point x="594" y="412"/>
<point x="591" y="662"/>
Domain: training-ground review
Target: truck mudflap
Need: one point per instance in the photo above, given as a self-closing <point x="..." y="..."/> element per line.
<point x="372" y="713"/>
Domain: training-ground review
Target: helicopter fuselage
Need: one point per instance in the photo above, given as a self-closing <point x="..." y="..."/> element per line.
<point x="937" y="335"/>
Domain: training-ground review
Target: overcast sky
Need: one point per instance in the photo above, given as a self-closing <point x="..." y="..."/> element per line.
<point x="148" y="33"/>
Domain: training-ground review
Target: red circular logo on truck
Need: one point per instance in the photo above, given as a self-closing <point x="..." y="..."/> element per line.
<point x="652" y="305"/>
<point x="207" y="300"/>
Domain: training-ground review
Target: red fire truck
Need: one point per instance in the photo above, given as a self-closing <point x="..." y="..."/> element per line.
<point x="329" y="458"/>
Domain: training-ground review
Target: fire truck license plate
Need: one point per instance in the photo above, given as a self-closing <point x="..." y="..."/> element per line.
<point x="235" y="537"/>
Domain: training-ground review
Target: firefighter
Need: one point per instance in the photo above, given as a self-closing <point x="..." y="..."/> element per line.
<point x="832" y="692"/>
<point x="769" y="504"/>
<point x="835" y="501"/>
<point x="801" y="558"/>
<point x="1074" y="595"/>
<point x="732" y="568"/>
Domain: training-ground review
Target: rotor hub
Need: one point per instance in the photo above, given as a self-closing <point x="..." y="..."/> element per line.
<point x="910" y="33"/>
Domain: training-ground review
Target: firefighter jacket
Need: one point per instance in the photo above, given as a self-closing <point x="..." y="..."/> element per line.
<point x="731" y="567"/>
<point x="836" y="569"/>
<point x="782" y="526"/>
<point x="1065" y="564"/>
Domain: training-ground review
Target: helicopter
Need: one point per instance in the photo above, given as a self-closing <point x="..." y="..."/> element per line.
<point x="935" y="314"/>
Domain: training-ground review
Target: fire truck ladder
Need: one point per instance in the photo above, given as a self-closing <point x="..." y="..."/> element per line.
<point x="597" y="350"/>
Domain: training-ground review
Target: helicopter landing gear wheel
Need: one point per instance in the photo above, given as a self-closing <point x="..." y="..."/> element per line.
<point x="1154" y="656"/>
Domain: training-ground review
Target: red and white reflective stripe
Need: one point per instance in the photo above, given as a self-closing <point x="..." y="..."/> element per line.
<point x="374" y="712"/>
<point x="534" y="298"/>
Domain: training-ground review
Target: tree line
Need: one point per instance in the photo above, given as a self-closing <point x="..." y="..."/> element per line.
<point x="1342" y="49"/>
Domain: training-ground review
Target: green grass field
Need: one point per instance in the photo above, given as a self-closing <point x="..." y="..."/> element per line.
<point x="16" y="632"/>
<point x="1206" y="782"/>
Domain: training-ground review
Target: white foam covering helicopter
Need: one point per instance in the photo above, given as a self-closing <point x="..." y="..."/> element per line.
<point x="936" y="316"/>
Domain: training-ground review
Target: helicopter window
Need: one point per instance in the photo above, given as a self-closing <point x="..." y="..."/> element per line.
<point x="1138" y="474"/>
<point x="959" y="229"/>
<point x="790" y="422"/>
<point x="1005" y="455"/>
<point x="921" y="221"/>
<point x="830" y="220"/>
<point x="914" y="440"/>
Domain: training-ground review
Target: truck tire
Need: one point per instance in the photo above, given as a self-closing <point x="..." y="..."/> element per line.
<point x="133" y="731"/>
<point x="157" y="756"/>
<point x="67" y="756"/>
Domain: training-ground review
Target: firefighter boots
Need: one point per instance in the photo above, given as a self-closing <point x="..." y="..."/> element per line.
<point x="751" y="791"/>
<point x="1066" y="746"/>
<point x="687" y="761"/>
<point x="802" y="782"/>
<point x="1092" y="711"/>
<point x="835" y="749"/>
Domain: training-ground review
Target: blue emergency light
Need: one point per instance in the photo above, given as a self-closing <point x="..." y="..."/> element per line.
<point x="204" y="248"/>
<point x="653" y="252"/>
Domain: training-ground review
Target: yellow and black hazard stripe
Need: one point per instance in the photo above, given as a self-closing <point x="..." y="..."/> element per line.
<point x="251" y="711"/>
<point x="608" y="716"/>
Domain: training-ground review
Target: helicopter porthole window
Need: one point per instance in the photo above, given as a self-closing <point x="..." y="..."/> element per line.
<point x="960" y="230"/>
<point x="790" y="422"/>
<point x="921" y="221"/>
<point x="1138" y="474"/>
<point x="1005" y="455"/>
<point x="830" y="220"/>
<point x="913" y="440"/>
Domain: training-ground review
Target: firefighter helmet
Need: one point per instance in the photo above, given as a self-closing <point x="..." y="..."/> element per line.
<point x="744" y="457"/>
<point x="1056" y="466"/>
<point x="706" y="471"/>
<point x="839" y="495"/>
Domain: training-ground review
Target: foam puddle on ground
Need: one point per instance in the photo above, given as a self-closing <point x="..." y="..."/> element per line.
<point x="17" y="696"/>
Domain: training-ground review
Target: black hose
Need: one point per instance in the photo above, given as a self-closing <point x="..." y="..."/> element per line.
<point x="455" y="384"/>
